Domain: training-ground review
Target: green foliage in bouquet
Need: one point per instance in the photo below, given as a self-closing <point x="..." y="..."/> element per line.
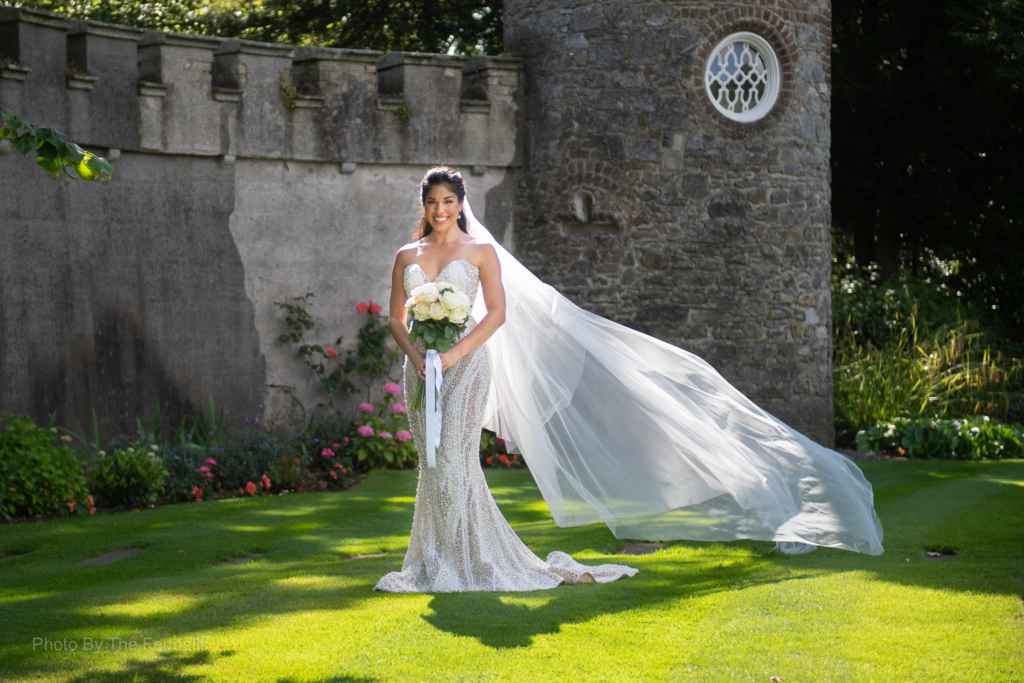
<point x="440" y="313"/>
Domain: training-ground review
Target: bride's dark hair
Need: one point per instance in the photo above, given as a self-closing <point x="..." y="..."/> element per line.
<point x="441" y="175"/>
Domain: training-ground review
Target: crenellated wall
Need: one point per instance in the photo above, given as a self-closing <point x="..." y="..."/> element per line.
<point x="246" y="172"/>
<point x="160" y="284"/>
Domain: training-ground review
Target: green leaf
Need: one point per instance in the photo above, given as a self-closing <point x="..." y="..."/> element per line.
<point x="430" y="336"/>
<point x="449" y="331"/>
<point x="23" y="144"/>
<point x="443" y="345"/>
<point x="4" y="132"/>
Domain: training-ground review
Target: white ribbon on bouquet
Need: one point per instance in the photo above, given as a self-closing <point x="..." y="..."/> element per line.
<point x="433" y="406"/>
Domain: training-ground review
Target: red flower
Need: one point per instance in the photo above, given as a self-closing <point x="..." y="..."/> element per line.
<point x="88" y="499"/>
<point x="241" y="491"/>
<point x="266" y="482"/>
<point x="331" y="353"/>
<point x="515" y="458"/>
<point x="333" y="474"/>
<point x="92" y="511"/>
<point x="488" y="459"/>
<point x="250" y="488"/>
<point x="361" y="307"/>
<point x="503" y="458"/>
<point x="374" y="308"/>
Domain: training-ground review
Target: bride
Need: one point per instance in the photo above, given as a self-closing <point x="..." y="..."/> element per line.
<point x="615" y="426"/>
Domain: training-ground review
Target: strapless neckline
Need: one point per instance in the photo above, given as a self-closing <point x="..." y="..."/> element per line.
<point x="441" y="272"/>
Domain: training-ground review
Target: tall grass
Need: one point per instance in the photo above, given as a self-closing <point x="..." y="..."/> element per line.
<point x="948" y="372"/>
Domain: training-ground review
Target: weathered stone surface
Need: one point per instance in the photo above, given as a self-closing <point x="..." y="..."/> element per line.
<point x="720" y="230"/>
<point x="159" y="285"/>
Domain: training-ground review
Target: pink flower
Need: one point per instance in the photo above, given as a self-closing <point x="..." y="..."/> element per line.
<point x="204" y="468"/>
<point x="368" y="407"/>
<point x="345" y="439"/>
<point x="334" y="445"/>
<point x="250" y="488"/>
<point x="386" y="435"/>
<point x="500" y="441"/>
<point x="365" y="430"/>
<point x="391" y="388"/>
<point x="361" y="307"/>
<point x="398" y="408"/>
<point x="403" y="435"/>
<point x="211" y="461"/>
<point x="327" y="453"/>
<point x="209" y="475"/>
<point x="374" y="308"/>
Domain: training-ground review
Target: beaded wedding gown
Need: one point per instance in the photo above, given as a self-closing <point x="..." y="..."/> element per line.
<point x="460" y="541"/>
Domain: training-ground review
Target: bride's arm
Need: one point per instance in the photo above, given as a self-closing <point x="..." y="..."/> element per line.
<point x="398" y="314"/>
<point x="494" y="299"/>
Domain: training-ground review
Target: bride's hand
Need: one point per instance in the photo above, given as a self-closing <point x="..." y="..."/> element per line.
<point x="419" y="361"/>
<point x="449" y="358"/>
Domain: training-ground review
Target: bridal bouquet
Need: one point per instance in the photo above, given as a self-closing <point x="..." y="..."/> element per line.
<point x="440" y="312"/>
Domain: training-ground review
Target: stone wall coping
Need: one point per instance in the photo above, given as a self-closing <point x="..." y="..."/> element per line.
<point x="34" y="16"/>
<point x="253" y="47"/>
<point x="99" y="28"/>
<point x="326" y="54"/>
<point x="501" y="62"/>
<point x="180" y="40"/>
<point x="395" y="59"/>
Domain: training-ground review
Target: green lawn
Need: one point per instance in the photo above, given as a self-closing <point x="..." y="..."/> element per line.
<point x="304" y="611"/>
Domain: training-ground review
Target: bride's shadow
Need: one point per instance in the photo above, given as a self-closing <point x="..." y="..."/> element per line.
<point x="508" y="620"/>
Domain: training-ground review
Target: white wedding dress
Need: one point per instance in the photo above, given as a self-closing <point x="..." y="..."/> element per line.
<point x="460" y="541"/>
<point x="615" y="426"/>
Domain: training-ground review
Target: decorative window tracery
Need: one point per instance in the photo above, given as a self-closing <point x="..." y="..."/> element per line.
<point x="742" y="76"/>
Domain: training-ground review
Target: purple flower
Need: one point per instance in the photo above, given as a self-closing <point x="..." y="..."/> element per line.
<point x="403" y="435"/>
<point x="386" y="435"/>
<point x="391" y="388"/>
<point x="367" y="407"/>
<point x="398" y="408"/>
<point x="365" y="430"/>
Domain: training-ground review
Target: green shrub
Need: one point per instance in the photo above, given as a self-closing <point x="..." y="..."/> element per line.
<point x="40" y="474"/>
<point x="969" y="439"/>
<point x="381" y="436"/>
<point x="951" y="373"/>
<point x="128" y="478"/>
<point x="494" y="455"/>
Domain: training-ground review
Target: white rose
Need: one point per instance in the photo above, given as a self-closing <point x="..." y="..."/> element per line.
<point x="450" y="299"/>
<point x="463" y="299"/>
<point x="459" y="314"/>
<point x="437" y="311"/>
<point x="426" y="292"/>
<point x="421" y="311"/>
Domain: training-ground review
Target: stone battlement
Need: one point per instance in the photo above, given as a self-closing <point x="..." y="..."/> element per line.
<point x="124" y="88"/>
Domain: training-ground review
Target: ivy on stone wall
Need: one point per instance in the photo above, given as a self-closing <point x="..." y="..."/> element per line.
<point x="54" y="153"/>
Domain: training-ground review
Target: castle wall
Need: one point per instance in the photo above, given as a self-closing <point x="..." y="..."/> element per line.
<point x="641" y="202"/>
<point x="159" y="284"/>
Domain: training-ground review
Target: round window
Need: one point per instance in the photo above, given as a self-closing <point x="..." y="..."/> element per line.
<point x="742" y="76"/>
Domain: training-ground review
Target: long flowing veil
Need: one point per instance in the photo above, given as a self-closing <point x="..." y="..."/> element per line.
<point x="618" y="426"/>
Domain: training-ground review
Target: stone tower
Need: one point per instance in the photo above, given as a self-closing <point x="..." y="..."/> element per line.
<point x="676" y="179"/>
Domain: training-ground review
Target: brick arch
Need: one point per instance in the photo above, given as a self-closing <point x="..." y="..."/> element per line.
<point x="612" y="202"/>
<point x="774" y="28"/>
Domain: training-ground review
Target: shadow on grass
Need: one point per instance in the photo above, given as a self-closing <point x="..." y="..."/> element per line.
<point x="301" y="571"/>
<point x="169" y="667"/>
<point x="510" y="620"/>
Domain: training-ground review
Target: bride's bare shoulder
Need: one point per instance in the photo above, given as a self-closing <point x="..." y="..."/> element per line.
<point x="482" y="252"/>
<point x="407" y="253"/>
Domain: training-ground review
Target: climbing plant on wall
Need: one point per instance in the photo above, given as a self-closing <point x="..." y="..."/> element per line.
<point x="54" y="153"/>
